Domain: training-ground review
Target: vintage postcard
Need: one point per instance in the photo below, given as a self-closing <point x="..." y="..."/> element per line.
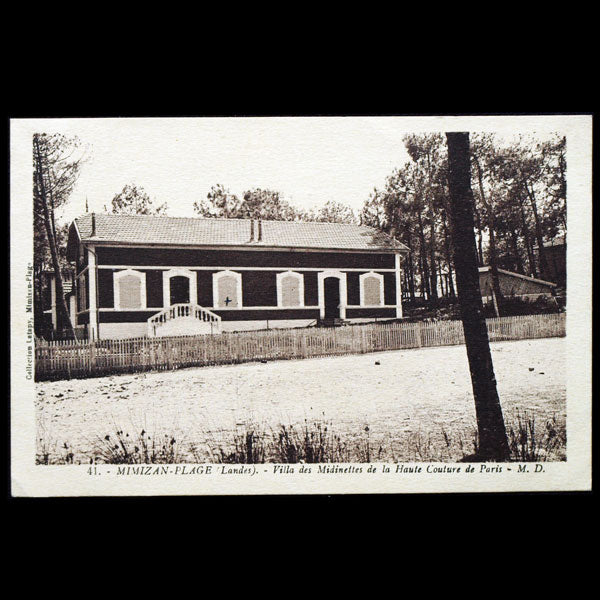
<point x="304" y="305"/>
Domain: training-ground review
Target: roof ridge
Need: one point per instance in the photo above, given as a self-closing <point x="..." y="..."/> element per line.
<point x="101" y="214"/>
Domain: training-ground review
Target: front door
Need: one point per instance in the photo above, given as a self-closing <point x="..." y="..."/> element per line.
<point x="180" y="290"/>
<point x="332" y="298"/>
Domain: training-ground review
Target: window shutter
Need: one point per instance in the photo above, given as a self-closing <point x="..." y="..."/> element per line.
<point x="290" y="291"/>
<point x="130" y="292"/>
<point x="372" y="291"/>
<point x="228" y="291"/>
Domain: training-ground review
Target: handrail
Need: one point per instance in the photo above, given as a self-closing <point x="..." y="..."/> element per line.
<point x="179" y="311"/>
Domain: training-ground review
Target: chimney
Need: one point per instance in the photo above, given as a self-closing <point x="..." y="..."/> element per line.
<point x="251" y="230"/>
<point x="93" y="224"/>
<point x="259" y="230"/>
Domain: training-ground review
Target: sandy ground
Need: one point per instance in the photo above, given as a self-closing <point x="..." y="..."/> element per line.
<point x="409" y="395"/>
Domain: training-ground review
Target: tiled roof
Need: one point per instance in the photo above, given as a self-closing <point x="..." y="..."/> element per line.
<point x="135" y="229"/>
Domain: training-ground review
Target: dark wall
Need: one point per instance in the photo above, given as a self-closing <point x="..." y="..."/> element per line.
<point x="389" y="288"/>
<point x="125" y="316"/>
<point x="140" y="316"/>
<point x="353" y="287"/>
<point x="106" y="292"/>
<point x="204" y="283"/>
<point x="81" y="261"/>
<point x="311" y="288"/>
<point x="86" y="282"/>
<point x="236" y="258"/>
<point x="370" y="313"/>
<point x="154" y="288"/>
<point x="271" y="315"/>
<point x="259" y="288"/>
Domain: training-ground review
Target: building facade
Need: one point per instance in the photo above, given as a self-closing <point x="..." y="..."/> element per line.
<point x="142" y="275"/>
<point x="513" y="285"/>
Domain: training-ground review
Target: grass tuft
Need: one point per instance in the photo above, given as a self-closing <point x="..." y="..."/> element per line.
<point x="316" y="442"/>
<point x="121" y="448"/>
<point x="530" y="443"/>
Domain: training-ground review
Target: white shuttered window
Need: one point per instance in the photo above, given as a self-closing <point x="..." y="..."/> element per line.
<point x="371" y="289"/>
<point x="130" y="290"/>
<point x="290" y="289"/>
<point x="227" y="289"/>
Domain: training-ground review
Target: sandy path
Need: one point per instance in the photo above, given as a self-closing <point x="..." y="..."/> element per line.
<point x="410" y="391"/>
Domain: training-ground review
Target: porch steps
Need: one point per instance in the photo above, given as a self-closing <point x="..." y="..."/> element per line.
<point x="183" y="319"/>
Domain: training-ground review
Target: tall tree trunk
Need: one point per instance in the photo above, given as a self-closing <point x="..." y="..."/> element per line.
<point x="424" y="265"/>
<point x="450" y="284"/>
<point x="538" y="233"/>
<point x="409" y="271"/>
<point x="493" y="442"/>
<point x="433" y="261"/>
<point x="515" y="244"/>
<point x="411" y="280"/>
<point x="62" y="314"/>
<point x="479" y="239"/>
<point x="497" y="292"/>
<point x="443" y="289"/>
<point x="528" y="245"/>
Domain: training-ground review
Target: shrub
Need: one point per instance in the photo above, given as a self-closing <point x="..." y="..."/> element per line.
<point x="121" y="448"/>
<point x="529" y="443"/>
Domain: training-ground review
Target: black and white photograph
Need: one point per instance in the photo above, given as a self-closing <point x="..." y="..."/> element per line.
<point x="337" y="304"/>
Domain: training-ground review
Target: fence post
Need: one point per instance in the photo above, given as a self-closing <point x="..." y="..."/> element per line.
<point x="93" y="356"/>
<point x="419" y="340"/>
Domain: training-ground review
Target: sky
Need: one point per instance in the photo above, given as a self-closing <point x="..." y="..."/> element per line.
<point x="308" y="160"/>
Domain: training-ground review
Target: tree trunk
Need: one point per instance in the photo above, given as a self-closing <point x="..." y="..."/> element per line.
<point x="409" y="271"/>
<point x="479" y="239"/>
<point x="450" y="284"/>
<point x="538" y="234"/>
<point x="424" y="264"/>
<point x="530" y="255"/>
<point x="493" y="443"/>
<point x="62" y="314"/>
<point x="515" y="244"/>
<point x="433" y="261"/>
<point x="493" y="255"/>
<point x="443" y="289"/>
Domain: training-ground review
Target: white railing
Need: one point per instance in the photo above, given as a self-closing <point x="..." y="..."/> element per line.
<point x="180" y="311"/>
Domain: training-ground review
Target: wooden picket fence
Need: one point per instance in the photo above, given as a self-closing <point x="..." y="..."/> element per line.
<point x="73" y="358"/>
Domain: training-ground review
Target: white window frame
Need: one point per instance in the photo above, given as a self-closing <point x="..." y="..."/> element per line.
<point x="220" y="275"/>
<point x="117" y="276"/>
<point x="280" y="277"/>
<point x="191" y="275"/>
<point x="362" y="279"/>
<point x="321" y="277"/>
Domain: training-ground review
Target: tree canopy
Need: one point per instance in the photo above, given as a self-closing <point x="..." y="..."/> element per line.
<point x="519" y="189"/>
<point x="57" y="161"/>
<point x="133" y="200"/>
<point x="268" y="205"/>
